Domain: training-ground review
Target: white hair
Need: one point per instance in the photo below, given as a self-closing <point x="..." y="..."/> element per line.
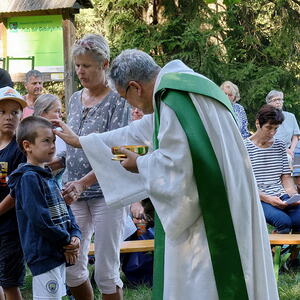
<point x="233" y="88"/>
<point x="274" y="94"/>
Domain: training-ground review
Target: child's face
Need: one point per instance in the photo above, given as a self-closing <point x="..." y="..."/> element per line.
<point x="54" y="112"/>
<point x="43" y="149"/>
<point x="10" y="115"/>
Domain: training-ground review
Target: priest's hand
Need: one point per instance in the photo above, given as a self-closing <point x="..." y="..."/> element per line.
<point x="129" y="163"/>
<point x="65" y="132"/>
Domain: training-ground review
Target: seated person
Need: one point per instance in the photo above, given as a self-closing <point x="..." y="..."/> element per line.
<point x="271" y="170"/>
<point x="296" y="166"/>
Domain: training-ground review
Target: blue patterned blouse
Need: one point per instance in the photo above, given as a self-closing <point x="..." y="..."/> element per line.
<point x="242" y="119"/>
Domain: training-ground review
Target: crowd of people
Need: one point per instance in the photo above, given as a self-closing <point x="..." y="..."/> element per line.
<point x="53" y="190"/>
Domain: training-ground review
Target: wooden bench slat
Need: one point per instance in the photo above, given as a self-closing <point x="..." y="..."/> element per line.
<point x="131" y="246"/>
<point x="148" y="245"/>
<point x="284" y="239"/>
<point x="137" y="246"/>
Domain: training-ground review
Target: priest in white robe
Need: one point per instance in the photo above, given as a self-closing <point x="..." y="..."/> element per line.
<point x="213" y="243"/>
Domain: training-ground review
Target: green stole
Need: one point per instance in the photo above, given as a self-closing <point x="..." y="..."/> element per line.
<point x="173" y="91"/>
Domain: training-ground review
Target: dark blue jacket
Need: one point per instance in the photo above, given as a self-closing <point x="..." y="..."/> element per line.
<point x="45" y="222"/>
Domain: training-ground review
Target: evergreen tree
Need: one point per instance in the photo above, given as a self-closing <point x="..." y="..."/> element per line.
<point x="253" y="43"/>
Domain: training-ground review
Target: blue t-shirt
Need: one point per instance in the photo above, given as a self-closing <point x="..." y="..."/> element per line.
<point x="10" y="157"/>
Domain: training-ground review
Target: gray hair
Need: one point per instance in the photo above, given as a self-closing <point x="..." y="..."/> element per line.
<point x="44" y="103"/>
<point x="93" y="44"/>
<point x="274" y="94"/>
<point x="234" y="89"/>
<point x="33" y="73"/>
<point x="132" y="65"/>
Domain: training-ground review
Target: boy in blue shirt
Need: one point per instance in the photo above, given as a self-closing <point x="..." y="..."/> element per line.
<point x="12" y="270"/>
<point x="49" y="235"/>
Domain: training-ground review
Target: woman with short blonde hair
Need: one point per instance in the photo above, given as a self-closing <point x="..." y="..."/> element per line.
<point x="95" y="108"/>
<point x="233" y="93"/>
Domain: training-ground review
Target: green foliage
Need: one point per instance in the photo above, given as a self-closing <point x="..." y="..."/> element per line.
<point x="253" y="43"/>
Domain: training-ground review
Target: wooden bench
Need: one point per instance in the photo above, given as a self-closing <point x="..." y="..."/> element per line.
<point x="281" y="255"/>
<point x="276" y="240"/>
<point x="148" y="245"/>
<point x="131" y="246"/>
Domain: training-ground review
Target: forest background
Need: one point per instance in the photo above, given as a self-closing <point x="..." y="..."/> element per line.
<point x="254" y="43"/>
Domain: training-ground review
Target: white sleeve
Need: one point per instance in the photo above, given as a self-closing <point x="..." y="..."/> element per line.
<point x="119" y="186"/>
<point x="136" y="133"/>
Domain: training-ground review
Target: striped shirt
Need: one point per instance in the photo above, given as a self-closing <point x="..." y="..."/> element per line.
<point x="269" y="164"/>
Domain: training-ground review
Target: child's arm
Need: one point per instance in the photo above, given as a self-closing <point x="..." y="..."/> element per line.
<point x="6" y="204"/>
<point x="34" y="205"/>
<point x="71" y="250"/>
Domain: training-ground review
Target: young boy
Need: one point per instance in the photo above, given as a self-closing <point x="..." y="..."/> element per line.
<point x="48" y="232"/>
<point x="12" y="268"/>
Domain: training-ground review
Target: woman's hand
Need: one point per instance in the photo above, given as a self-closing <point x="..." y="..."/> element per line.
<point x="129" y="163"/>
<point x="72" y="191"/>
<point x="56" y="164"/>
<point x="66" y="133"/>
<point x="277" y="202"/>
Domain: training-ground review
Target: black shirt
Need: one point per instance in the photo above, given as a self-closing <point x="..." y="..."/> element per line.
<point x="5" y="79"/>
<point x="10" y="157"/>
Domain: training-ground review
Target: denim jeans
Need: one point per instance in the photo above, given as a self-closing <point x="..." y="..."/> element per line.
<point x="284" y="220"/>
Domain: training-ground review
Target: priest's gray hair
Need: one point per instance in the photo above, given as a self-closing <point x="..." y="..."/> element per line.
<point x="274" y="94"/>
<point x="132" y="65"/>
<point x="94" y="45"/>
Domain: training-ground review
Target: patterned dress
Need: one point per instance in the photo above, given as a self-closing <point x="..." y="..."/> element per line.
<point x="111" y="113"/>
<point x="242" y="119"/>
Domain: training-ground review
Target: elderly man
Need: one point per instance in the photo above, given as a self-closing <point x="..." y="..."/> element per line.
<point x="213" y="242"/>
<point x="34" y="86"/>
<point x="288" y="131"/>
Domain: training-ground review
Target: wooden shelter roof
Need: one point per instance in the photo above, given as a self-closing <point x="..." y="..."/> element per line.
<point x="21" y="6"/>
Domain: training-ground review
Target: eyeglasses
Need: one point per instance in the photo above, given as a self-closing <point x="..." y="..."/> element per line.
<point x="275" y="100"/>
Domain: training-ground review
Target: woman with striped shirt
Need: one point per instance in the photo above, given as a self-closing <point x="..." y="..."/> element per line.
<point x="270" y="165"/>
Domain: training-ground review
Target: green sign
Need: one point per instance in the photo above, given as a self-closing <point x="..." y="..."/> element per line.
<point x="38" y="36"/>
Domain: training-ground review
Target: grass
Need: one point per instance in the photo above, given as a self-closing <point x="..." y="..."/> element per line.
<point x="288" y="287"/>
<point x="140" y="293"/>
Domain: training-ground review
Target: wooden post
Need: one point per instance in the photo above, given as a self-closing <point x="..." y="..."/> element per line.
<point x="69" y="39"/>
<point x="3" y="39"/>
